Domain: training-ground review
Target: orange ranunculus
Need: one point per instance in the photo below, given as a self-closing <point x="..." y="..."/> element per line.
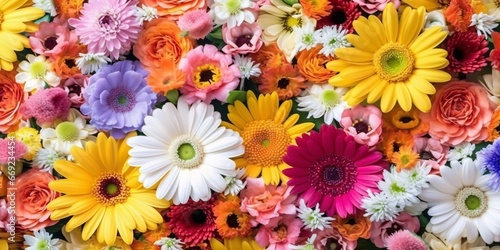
<point x="461" y="112"/>
<point x="353" y="227"/>
<point x="311" y="65"/>
<point x="12" y="96"/>
<point x="161" y="40"/>
<point x="173" y="9"/>
<point x="32" y="196"/>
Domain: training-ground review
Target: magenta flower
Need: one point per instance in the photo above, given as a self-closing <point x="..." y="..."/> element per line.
<point x="46" y="105"/>
<point x="8" y="150"/>
<point x="279" y="233"/>
<point x="197" y="23"/>
<point x="210" y="74"/>
<point x="363" y="123"/>
<point x="242" y="39"/>
<point x="332" y="169"/>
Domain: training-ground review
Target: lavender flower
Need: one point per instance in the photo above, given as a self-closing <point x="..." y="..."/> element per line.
<point x="118" y="98"/>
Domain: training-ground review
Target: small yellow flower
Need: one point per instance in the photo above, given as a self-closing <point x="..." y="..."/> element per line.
<point x="405" y="158"/>
<point x="31" y="138"/>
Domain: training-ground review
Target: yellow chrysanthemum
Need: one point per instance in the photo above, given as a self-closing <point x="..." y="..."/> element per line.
<point x="391" y="61"/>
<point x="267" y="130"/>
<point x="236" y="243"/>
<point x="103" y="191"/>
<point x="16" y="16"/>
<point x="31" y="138"/>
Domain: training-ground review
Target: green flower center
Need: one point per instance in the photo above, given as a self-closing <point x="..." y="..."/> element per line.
<point x="308" y="39"/>
<point x="111" y="188"/>
<point x="394" y="62"/>
<point x="38" y="69"/>
<point x="471" y="202"/>
<point x="67" y="131"/>
<point x="330" y="98"/>
<point x="42" y="245"/>
<point x="233" y="6"/>
<point x="122" y="100"/>
<point x="395" y="188"/>
<point x="186" y="151"/>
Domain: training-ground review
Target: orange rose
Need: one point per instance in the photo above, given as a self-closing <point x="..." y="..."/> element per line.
<point x="161" y="40"/>
<point x="461" y="112"/>
<point x="353" y="227"/>
<point x="311" y="65"/>
<point x="12" y="96"/>
<point x="173" y="9"/>
<point x="32" y="196"/>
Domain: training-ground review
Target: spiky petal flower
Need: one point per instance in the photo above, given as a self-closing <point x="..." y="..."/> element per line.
<point x="466" y="51"/>
<point x="193" y="222"/>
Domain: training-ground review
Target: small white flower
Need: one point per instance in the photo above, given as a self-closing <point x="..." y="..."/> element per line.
<point x="461" y="151"/>
<point x="91" y="62"/>
<point x="306" y="37"/>
<point x="435" y="18"/>
<point x="232" y="12"/>
<point x="380" y="206"/>
<point x="397" y="188"/>
<point x="36" y="72"/>
<point x="235" y="184"/>
<point x="247" y="66"/>
<point x="323" y="101"/>
<point x="41" y="241"/>
<point x="416" y="209"/>
<point x="46" y="5"/>
<point x="417" y="176"/>
<point x="332" y="38"/>
<point x="45" y="158"/>
<point x="169" y="243"/>
<point x="308" y="246"/>
<point x="484" y="24"/>
<point x="313" y="219"/>
<point x="146" y="13"/>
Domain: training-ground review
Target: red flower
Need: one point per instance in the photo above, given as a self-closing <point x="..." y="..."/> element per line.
<point x="343" y="13"/>
<point x="466" y="52"/>
<point x="495" y="53"/>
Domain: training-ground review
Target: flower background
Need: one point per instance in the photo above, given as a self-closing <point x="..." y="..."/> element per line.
<point x="249" y="124"/>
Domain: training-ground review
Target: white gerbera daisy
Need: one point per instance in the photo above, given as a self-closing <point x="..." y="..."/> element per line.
<point x="232" y="12"/>
<point x="186" y="150"/>
<point x="41" y="241"/>
<point x="484" y="24"/>
<point x="380" y="206"/>
<point x="332" y="38"/>
<point x="91" y="62"/>
<point x="35" y="72"/>
<point x="461" y="151"/>
<point x="323" y="100"/>
<point x="169" y="243"/>
<point x="313" y="219"/>
<point x="462" y="204"/>
<point x="397" y="188"/>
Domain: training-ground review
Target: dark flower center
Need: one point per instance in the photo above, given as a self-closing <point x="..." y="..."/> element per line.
<point x="361" y="126"/>
<point x="406" y="119"/>
<point x="206" y="76"/>
<point x="70" y="62"/>
<point x="395" y="147"/>
<point x="283" y="83"/>
<point x="75" y="89"/>
<point x="333" y="174"/>
<point x="232" y="221"/>
<point x="351" y="221"/>
<point x="243" y="39"/>
<point x="332" y="244"/>
<point x="50" y="42"/>
<point x="394" y="228"/>
<point x="458" y="54"/>
<point x="110" y="189"/>
<point x="424" y="155"/>
<point x="121" y="100"/>
<point x="106" y="19"/>
<point x="338" y="16"/>
<point x="199" y="217"/>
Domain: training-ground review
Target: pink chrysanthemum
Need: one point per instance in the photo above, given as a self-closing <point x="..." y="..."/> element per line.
<point x="193" y="222"/>
<point x="405" y="240"/>
<point x="197" y="23"/>
<point x="109" y="26"/>
<point x="47" y="105"/>
<point x="332" y="169"/>
<point x="343" y="13"/>
<point x="17" y="149"/>
<point x="466" y="52"/>
<point x="210" y="74"/>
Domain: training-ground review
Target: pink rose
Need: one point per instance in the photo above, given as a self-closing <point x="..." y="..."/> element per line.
<point x="242" y="39"/>
<point x="265" y="202"/>
<point x="32" y="196"/>
<point x="381" y="230"/>
<point x="372" y="6"/>
<point x="363" y="123"/>
<point x="279" y="233"/>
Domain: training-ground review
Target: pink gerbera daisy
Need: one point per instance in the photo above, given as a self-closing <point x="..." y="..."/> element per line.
<point x="109" y="26"/>
<point x="210" y="73"/>
<point x="332" y="169"/>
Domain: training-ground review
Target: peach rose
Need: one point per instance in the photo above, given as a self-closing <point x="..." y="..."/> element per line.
<point x="161" y="40"/>
<point x="12" y="96"/>
<point x="32" y="196"/>
<point x="460" y="113"/>
<point x="173" y="9"/>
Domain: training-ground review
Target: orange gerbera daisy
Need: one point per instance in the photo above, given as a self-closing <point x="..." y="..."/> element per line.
<point x="152" y="236"/>
<point x="410" y="121"/>
<point x="494" y="127"/>
<point x="405" y="158"/>
<point x="311" y="65"/>
<point x="353" y="226"/>
<point x="284" y="80"/>
<point x="393" y="141"/>
<point x="65" y="62"/>
<point x="459" y="14"/>
<point x="165" y="78"/>
<point x="269" y="56"/>
<point x="316" y="8"/>
<point x="231" y="221"/>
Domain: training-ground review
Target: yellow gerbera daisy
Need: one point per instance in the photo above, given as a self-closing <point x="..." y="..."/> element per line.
<point x="390" y="61"/>
<point x="237" y="243"/>
<point x="16" y="16"/>
<point x="104" y="192"/>
<point x="267" y="130"/>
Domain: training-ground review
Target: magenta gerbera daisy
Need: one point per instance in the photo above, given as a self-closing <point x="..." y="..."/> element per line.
<point x="109" y="26"/>
<point x="466" y="52"/>
<point x="330" y="168"/>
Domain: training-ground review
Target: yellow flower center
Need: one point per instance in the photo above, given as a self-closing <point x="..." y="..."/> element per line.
<point x="38" y="69"/>
<point x="265" y="142"/>
<point x="206" y="75"/>
<point x="67" y="131"/>
<point x="394" y="62"/>
<point x="405" y="120"/>
<point x="110" y="188"/>
<point x="330" y="98"/>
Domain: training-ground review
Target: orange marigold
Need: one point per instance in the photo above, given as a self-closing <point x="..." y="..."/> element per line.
<point x="173" y="9"/>
<point x="163" y="230"/>
<point x="405" y="158"/>
<point x="393" y="141"/>
<point x="269" y="56"/>
<point x="311" y="65"/>
<point x="459" y="14"/>
<point x="68" y="8"/>
<point x="285" y="80"/>
<point x="316" y="8"/>
<point x="231" y="221"/>
<point x="353" y="226"/>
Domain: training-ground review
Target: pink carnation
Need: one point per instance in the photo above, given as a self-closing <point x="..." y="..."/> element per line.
<point x="242" y="39"/>
<point x="74" y="87"/>
<point x="265" y="202"/>
<point x="7" y="146"/>
<point x="380" y="231"/>
<point x="363" y="123"/>
<point x="372" y="6"/>
<point x="210" y="74"/>
<point x="279" y="233"/>
<point x="51" y="38"/>
<point x="197" y="23"/>
<point x="405" y="240"/>
<point x="4" y="215"/>
<point x="47" y="105"/>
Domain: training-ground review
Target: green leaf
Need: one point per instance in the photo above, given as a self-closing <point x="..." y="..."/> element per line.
<point x="237" y="95"/>
<point x="173" y="96"/>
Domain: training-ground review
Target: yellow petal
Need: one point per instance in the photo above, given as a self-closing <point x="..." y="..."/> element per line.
<point x="5" y="65"/>
<point x="364" y="31"/>
<point x="337" y="65"/>
<point x="253" y="171"/>
<point x="236" y="120"/>
<point x="92" y="224"/>
<point x="404" y="97"/>
<point x="299" y="129"/>
<point x="388" y="98"/>
<point x="357" y="73"/>
<point x="243" y="111"/>
<point x="429" y="39"/>
<point x="365" y="86"/>
<point x="359" y="42"/>
<point x="377" y="92"/>
<point x="412" y="22"/>
<point x="24" y="14"/>
<point x="432" y="75"/>
<point x="431" y="52"/>
<point x="6" y="53"/>
<point x="292" y="120"/>
<point x="109" y="227"/>
<point x="217" y="245"/>
<point x="422" y="85"/>
<point x="266" y="175"/>
<point x="377" y="28"/>
<point x="421" y="100"/>
<point x="79" y="219"/>
<point x="391" y="23"/>
<point x="354" y="55"/>
<point x="71" y="187"/>
<point x="9" y="6"/>
<point x="13" y="26"/>
<point x="431" y="62"/>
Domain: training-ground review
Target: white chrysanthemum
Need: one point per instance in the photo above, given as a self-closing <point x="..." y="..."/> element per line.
<point x="41" y="241"/>
<point x="462" y="204"/>
<point x="247" y="66"/>
<point x="484" y="24"/>
<point x="169" y="243"/>
<point x="235" y="184"/>
<point x="146" y="13"/>
<point x="323" y="101"/>
<point x="436" y="18"/>
<point x="45" y="158"/>
<point x="186" y="151"/>
<point x="380" y="206"/>
<point x="309" y="244"/>
<point x="332" y="38"/>
<point x="91" y="62"/>
<point x="36" y="72"/>
<point x="417" y="176"/>
<point x="306" y="37"/>
<point x="46" y="5"/>
<point x="461" y="151"/>
<point x="313" y="219"/>
<point x="232" y="12"/>
<point x="73" y="132"/>
<point x="397" y="188"/>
